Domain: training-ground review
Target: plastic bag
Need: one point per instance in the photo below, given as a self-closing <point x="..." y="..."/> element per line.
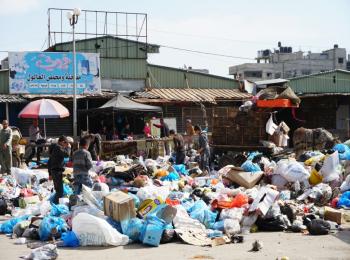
<point x="345" y="186"/>
<point x="172" y="176"/>
<point x="7" y="226"/>
<point x="152" y="230"/>
<point x="292" y="171"/>
<point x="271" y="127"/>
<point x="229" y="226"/>
<point x="271" y="224"/>
<point x="249" y="166"/>
<point x="319" y="227"/>
<point x="152" y="192"/>
<point x="201" y="212"/>
<point x="234" y="213"/>
<point x="344" y="200"/>
<point x="133" y="229"/>
<point x="70" y="239"/>
<point x="50" y="223"/>
<point x="181" y="168"/>
<point x="47" y="252"/>
<point x="330" y="170"/>
<point x="93" y="231"/>
<point x="343" y="151"/>
<point x="58" y="210"/>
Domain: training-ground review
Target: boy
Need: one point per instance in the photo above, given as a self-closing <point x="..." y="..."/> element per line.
<point x="82" y="163"/>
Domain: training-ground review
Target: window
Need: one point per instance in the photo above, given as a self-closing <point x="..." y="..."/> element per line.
<point x="340" y="60"/>
<point x="253" y="74"/>
<point x="305" y="72"/>
<point x="277" y="75"/>
<point x="268" y="74"/>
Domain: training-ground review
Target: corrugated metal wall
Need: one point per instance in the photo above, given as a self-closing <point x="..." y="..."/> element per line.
<point x="4" y="82"/>
<point x="328" y="82"/>
<point x="123" y="68"/>
<point x="165" y="77"/>
<point x="108" y="47"/>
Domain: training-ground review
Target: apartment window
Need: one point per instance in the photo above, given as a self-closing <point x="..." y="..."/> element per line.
<point x="253" y="74"/>
<point x="277" y="75"/>
<point x="305" y="72"/>
<point x="268" y="74"/>
<point x="340" y="60"/>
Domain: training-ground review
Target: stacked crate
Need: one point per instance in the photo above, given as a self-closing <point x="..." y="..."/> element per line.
<point x="232" y="127"/>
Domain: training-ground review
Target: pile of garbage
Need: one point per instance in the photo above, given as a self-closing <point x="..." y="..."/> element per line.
<point x="154" y="201"/>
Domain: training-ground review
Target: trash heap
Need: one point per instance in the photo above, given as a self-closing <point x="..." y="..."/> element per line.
<point x="154" y="201"/>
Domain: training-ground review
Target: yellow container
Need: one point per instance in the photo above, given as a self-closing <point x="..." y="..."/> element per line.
<point x="315" y="177"/>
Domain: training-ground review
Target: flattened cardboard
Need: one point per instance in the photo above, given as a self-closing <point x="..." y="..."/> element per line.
<point x="119" y="206"/>
<point x="334" y="215"/>
<point x="244" y="179"/>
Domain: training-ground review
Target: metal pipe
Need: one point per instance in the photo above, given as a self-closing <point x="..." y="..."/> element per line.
<point x="75" y="125"/>
<point x="7" y="111"/>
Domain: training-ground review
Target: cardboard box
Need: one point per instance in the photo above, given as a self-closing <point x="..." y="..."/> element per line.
<point x="242" y="178"/>
<point x="334" y="215"/>
<point x="119" y="206"/>
<point x="266" y="197"/>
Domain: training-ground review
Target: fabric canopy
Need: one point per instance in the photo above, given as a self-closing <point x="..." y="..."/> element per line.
<point x="44" y="108"/>
<point x="121" y="103"/>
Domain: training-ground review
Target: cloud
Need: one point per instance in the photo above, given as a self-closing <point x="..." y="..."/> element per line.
<point x="10" y="7"/>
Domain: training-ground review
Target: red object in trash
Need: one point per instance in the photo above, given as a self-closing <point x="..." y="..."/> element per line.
<point x="334" y="202"/>
<point x="172" y="202"/>
<point x="238" y="201"/>
<point x="27" y="192"/>
<point x="69" y="164"/>
<point x="281" y="102"/>
<point x="102" y="179"/>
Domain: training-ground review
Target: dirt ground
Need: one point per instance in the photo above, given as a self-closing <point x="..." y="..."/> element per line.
<point x="275" y="245"/>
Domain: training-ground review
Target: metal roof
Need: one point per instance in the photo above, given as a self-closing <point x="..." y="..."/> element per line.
<point x="191" y="95"/>
<point x="58" y="96"/>
<point x="6" y="98"/>
<point x="320" y="73"/>
<point x="270" y="81"/>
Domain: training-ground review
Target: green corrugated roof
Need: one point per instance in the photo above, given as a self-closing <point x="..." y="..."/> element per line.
<point x="167" y="77"/>
<point x="333" y="81"/>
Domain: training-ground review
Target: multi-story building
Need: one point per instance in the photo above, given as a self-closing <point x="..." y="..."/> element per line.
<point x="284" y="63"/>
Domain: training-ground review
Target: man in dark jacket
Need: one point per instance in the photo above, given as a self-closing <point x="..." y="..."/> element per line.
<point x="164" y="132"/>
<point x="179" y="147"/>
<point x="56" y="164"/>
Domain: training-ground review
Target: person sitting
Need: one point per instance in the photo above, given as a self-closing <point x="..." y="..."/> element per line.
<point x="179" y="147"/>
<point x="126" y="132"/>
<point x="82" y="163"/>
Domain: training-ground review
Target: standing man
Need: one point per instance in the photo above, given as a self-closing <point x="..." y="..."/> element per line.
<point x="203" y="150"/>
<point x="190" y="133"/>
<point x="82" y="163"/>
<point x="179" y="147"/>
<point x="5" y="148"/>
<point x="56" y="165"/>
<point x="94" y="146"/>
<point x="34" y="137"/>
<point x="164" y="132"/>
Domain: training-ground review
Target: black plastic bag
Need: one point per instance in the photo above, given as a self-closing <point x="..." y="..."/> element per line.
<point x="271" y="224"/>
<point x="319" y="227"/>
<point x="3" y="206"/>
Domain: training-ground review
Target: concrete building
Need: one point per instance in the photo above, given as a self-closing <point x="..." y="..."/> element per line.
<point x="284" y="63"/>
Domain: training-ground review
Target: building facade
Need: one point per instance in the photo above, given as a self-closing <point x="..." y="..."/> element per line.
<point x="284" y="63"/>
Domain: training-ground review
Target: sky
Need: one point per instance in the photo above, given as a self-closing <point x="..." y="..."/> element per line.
<point x="237" y="29"/>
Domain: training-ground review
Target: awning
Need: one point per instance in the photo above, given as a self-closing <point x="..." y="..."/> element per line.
<point x="191" y="95"/>
<point x="121" y="103"/>
<point x="7" y="98"/>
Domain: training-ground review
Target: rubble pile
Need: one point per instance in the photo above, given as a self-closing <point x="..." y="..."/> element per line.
<point x="154" y="201"/>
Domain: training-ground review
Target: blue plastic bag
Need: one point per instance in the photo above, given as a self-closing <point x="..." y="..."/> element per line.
<point x="172" y="176"/>
<point x="7" y="226"/>
<point x="252" y="155"/>
<point x="58" y="210"/>
<point x="181" y="168"/>
<point x="344" y="200"/>
<point x="70" y="239"/>
<point x="136" y="199"/>
<point x="48" y="223"/>
<point x="152" y="230"/>
<point x="249" y="166"/>
<point x="343" y="151"/>
<point x="115" y="224"/>
<point x="133" y="228"/>
<point x="203" y="214"/>
<point x="67" y="190"/>
<point x="220" y="225"/>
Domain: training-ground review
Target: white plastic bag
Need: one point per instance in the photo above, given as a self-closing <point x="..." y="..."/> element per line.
<point x="345" y="186"/>
<point x="234" y="213"/>
<point x="93" y="231"/>
<point x="331" y="168"/>
<point x="152" y="192"/>
<point x="271" y="127"/>
<point x="292" y="171"/>
<point x="231" y="226"/>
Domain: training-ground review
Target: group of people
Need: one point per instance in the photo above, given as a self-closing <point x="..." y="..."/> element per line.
<point x="82" y="160"/>
<point x="203" y="145"/>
